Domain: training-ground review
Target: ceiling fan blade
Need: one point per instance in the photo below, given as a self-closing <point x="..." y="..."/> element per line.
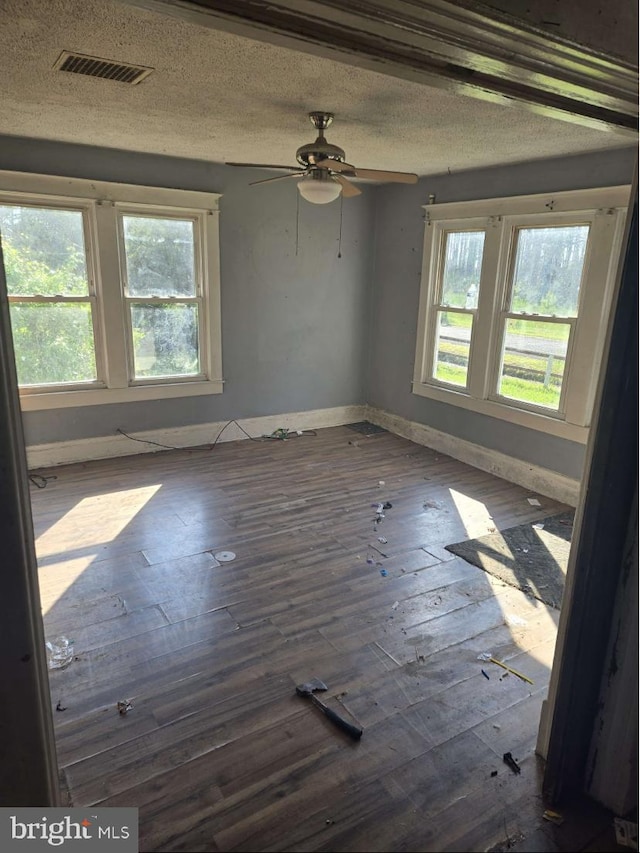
<point x="335" y="165"/>
<point x="381" y="175"/>
<point x="372" y="174"/>
<point x="265" y="166"/>
<point x="348" y="189"/>
<point x="278" y="178"/>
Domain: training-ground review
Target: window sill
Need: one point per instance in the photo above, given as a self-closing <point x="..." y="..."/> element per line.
<point x="33" y="401"/>
<point x="521" y="417"/>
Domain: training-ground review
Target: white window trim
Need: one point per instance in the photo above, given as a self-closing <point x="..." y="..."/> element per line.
<point x="101" y="201"/>
<point x="605" y="210"/>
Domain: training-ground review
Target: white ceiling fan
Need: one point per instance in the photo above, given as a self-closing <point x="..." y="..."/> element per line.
<point x="323" y="172"/>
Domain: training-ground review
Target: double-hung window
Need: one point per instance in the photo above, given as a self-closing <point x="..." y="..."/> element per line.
<point x="163" y="295"/>
<point x="514" y="305"/>
<point x="113" y="290"/>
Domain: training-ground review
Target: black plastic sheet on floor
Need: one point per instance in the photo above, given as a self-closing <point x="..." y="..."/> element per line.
<point x="528" y="558"/>
<point x="366" y="428"/>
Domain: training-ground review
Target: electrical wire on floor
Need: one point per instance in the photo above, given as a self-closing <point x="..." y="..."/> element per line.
<point x="228" y="423"/>
<point x="39" y="481"/>
<point x="148" y="441"/>
<point x="279" y="434"/>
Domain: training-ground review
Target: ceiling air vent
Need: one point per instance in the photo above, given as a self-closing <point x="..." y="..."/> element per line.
<point x="93" y="66"/>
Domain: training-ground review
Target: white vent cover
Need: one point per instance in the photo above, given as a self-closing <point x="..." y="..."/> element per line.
<point x="93" y="66"/>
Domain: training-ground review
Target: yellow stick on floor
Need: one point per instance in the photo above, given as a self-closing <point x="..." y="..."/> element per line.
<point x="512" y="671"/>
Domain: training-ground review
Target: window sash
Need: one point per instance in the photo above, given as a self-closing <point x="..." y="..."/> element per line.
<point x="198" y="299"/>
<point x="435" y="337"/>
<point x="40" y="300"/>
<point x="182" y="377"/>
<point x="84" y="209"/>
<point x="554" y="222"/>
<point x="523" y="404"/>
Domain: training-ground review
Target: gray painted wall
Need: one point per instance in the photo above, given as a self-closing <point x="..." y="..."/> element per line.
<point x="294" y="326"/>
<point x="398" y="257"/>
<point x="311" y="330"/>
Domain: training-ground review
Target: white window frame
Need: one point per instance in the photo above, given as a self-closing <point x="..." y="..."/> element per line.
<point x="604" y="210"/>
<point x="102" y="204"/>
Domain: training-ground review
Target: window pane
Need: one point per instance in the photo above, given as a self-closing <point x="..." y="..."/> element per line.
<point x="53" y="343"/>
<point x="548" y="270"/>
<point x="165" y="340"/>
<point x="160" y="256"/>
<point x="533" y="362"/>
<point x="44" y="253"/>
<point x="453" y="341"/>
<point x="461" y="270"/>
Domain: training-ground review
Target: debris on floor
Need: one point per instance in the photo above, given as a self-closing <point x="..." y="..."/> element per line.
<point x="59" y="707"/>
<point x="59" y="652"/>
<point x="512" y="619"/>
<point x="124" y="706"/>
<point x="534" y="501"/>
<point x="379" y="514"/>
<point x="487" y="656"/>
<point x="282" y="434"/>
<point x="39" y="481"/>
<point x="429" y="504"/>
<point x="626" y="832"/>
<point x="508" y="844"/>
<point x="510" y="761"/>
<point x="395" y="605"/>
<point x="485" y="674"/>
<point x="553" y="817"/>
<point x="384" y="573"/>
<point x="224" y="556"/>
<point x="383" y="539"/>
<point x="539" y="526"/>
<point x="494" y="773"/>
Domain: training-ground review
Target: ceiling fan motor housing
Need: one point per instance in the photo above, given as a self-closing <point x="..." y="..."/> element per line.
<point x="313" y="152"/>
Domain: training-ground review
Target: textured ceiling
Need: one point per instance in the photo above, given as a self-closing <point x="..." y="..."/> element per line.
<point x="216" y="96"/>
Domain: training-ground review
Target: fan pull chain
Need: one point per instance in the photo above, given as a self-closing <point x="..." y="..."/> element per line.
<point x="297" y="219"/>
<point x="340" y="236"/>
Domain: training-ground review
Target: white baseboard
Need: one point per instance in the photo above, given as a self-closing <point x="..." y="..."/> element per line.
<point x="107" y="446"/>
<point x="533" y="477"/>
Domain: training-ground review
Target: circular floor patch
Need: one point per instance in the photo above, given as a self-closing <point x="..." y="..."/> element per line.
<point x="224" y="556"/>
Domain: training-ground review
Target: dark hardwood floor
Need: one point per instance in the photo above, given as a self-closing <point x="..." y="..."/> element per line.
<point x="218" y="752"/>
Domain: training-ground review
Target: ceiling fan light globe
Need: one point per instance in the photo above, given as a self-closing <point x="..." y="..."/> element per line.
<point x="317" y="191"/>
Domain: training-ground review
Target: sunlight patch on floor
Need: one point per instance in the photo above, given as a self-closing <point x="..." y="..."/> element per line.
<point x="473" y="513"/>
<point x="119" y="509"/>
<point x="93" y="517"/>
